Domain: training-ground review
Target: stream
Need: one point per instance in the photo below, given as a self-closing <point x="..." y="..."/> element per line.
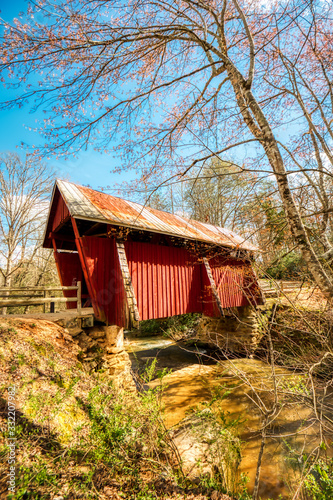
<point x="191" y="380"/>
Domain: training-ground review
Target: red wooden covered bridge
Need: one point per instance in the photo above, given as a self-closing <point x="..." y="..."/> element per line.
<point x="137" y="263"/>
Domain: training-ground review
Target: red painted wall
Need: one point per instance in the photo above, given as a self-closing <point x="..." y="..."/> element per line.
<point x="70" y="272"/>
<point x="61" y="213"/>
<point x="235" y="281"/>
<point x="104" y="280"/>
<point x="166" y="280"/>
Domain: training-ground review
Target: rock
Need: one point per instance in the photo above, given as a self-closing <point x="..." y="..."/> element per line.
<point x="237" y="333"/>
<point x="103" y="347"/>
<point x="206" y="448"/>
<point x="68" y="337"/>
<point x="114" y="350"/>
<point x="84" y="341"/>
<point x="118" y="363"/>
<point x="114" y="336"/>
<point x="97" y="335"/>
<point x="75" y="331"/>
<point x="96" y="332"/>
<point x="119" y="369"/>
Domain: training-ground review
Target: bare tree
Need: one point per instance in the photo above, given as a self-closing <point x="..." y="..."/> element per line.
<point x="183" y="81"/>
<point x="219" y="193"/>
<point x="24" y="200"/>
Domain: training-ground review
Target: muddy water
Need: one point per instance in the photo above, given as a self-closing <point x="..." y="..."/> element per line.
<point x="194" y="380"/>
<point x="169" y="354"/>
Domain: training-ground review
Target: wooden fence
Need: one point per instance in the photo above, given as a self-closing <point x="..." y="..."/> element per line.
<point x="35" y="296"/>
<point x="277" y="287"/>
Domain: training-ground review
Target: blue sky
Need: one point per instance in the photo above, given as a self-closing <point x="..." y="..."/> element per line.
<point x="89" y="168"/>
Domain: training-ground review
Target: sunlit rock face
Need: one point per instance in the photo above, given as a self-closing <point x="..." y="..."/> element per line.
<point x="102" y="348"/>
<point x="207" y="448"/>
<point x="238" y="331"/>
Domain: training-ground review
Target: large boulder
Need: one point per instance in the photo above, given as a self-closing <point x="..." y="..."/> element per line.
<point x="207" y="449"/>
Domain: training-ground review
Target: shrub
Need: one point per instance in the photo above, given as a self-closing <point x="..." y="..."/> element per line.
<point x="319" y="482"/>
<point x="181" y="325"/>
<point x="289" y="266"/>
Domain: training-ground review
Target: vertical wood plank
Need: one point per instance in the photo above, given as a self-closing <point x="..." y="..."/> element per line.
<point x="129" y="289"/>
<point x="79" y="299"/>
<point x="213" y="286"/>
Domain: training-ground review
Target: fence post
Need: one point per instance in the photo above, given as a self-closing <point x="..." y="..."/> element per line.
<point x="52" y="306"/>
<point x="44" y="305"/>
<point x="78" y="305"/>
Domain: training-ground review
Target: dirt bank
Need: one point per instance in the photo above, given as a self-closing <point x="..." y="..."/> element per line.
<point x="76" y="435"/>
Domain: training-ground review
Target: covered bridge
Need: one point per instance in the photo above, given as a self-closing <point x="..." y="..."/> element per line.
<point x="137" y="263"/>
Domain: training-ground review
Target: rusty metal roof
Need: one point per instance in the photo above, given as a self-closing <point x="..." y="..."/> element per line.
<point x="88" y="204"/>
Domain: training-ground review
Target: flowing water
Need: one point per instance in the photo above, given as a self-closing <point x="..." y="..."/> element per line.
<point x="247" y="387"/>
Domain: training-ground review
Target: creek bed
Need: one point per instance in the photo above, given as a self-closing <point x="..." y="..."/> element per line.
<point x="191" y="381"/>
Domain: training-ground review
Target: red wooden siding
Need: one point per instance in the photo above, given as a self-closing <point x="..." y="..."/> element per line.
<point x="166" y="280"/>
<point x="104" y="279"/>
<point x="209" y="305"/>
<point x="70" y="272"/>
<point x="235" y="281"/>
<point x="61" y="213"/>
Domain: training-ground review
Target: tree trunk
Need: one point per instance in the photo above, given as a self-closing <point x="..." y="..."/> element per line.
<point x="260" y="128"/>
<point x="6" y="283"/>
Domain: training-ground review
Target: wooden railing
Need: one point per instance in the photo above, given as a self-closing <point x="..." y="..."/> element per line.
<point x="35" y="296"/>
<point x="270" y="287"/>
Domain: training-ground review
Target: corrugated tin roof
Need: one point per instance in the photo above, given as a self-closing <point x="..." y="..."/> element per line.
<point x="86" y="203"/>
